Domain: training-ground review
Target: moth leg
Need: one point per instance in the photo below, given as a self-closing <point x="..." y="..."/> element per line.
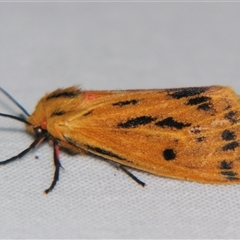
<point x="57" y="164"/>
<point x="24" y="152"/>
<point x="130" y="174"/>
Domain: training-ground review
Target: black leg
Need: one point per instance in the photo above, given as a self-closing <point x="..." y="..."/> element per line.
<point x="131" y="175"/>
<point x="57" y="165"/>
<point x="24" y="152"/>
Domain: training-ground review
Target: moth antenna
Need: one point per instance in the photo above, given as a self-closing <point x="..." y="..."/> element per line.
<point x="57" y="165"/>
<point x="16" y="118"/>
<point x="14" y="101"/>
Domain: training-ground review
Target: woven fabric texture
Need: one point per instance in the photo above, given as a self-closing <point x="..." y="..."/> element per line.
<point x="45" y="46"/>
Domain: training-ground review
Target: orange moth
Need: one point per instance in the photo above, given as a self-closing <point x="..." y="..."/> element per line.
<point x="184" y="133"/>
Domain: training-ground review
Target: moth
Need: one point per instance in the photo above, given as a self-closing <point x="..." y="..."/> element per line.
<point x="184" y="133"/>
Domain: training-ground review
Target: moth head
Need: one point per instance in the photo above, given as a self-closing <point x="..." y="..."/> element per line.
<point x="37" y="119"/>
<point x="36" y="124"/>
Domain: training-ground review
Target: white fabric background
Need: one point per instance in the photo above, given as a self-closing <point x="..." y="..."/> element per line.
<point x="44" y="46"/>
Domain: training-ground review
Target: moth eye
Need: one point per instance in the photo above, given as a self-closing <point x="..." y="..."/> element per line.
<point x="38" y="131"/>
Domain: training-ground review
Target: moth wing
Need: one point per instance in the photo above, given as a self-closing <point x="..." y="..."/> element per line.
<point x="190" y="133"/>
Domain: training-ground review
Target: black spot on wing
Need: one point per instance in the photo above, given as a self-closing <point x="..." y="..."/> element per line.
<point x="58" y="113"/>
<point x="195" y="129"/>
<point x="63" y="94"/>
<point x="170" y="122"/>
<point x="228" y="135"/>
<point x="198" y="100"/>
<point x="188" y="92"/>
<point x="231" y="116"/>
<point x="230" y="175"/>
<point x="205" y="107"/>
<point x="88" y="113"/>
<point x="169" y="154"/>
<point x="226" y="164"/>
<point x="135" y="122"/>
<point x="230" y="146"/>
<point x="104" y="152"/>
<point x="125" y="103"/>
<point x="200" y="139"/>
